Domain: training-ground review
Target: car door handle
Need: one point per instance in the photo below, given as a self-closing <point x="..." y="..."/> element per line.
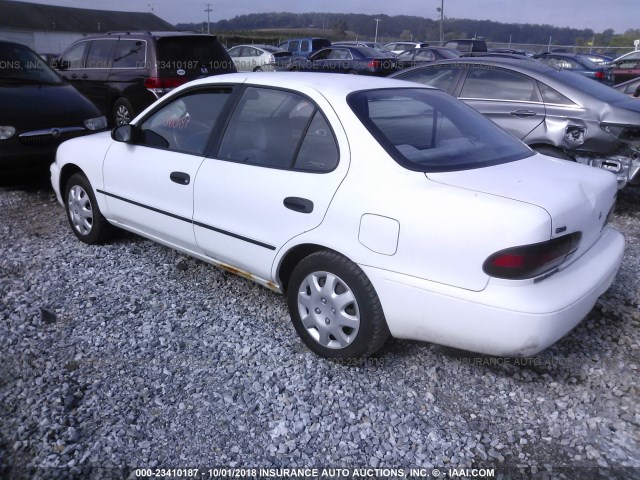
<point x="74" y="76"/>
<point x="84" y="76"/>
<point x="298" y="204"/>
<point x="523" y="113"/>
<point x="180" y="177"/>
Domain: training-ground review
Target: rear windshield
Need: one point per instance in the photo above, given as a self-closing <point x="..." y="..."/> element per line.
<point x="319" y="43"/>
<point x="19" y="65"/>
<point x="200" y="55"/>
<point x="428" y="130"/>
<point x="589" y="86"/>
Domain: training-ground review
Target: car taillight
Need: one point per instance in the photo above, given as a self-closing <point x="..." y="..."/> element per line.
<point x="529" y="261"/>
<point x="374" y="64"/>
<point x="600" y="75"/>
<point x="160" y="85"/>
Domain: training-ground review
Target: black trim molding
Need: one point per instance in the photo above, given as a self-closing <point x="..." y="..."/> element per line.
<point x="188" y="220"/>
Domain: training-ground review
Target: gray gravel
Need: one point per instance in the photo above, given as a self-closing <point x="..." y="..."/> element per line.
<point x="132" y="355"/>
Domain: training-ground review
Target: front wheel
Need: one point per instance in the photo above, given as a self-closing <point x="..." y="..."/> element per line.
<point x="334" y="307"/>
<point x="83" y="212"/>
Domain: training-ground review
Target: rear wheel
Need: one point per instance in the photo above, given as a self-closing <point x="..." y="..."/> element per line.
<point x="552" y="152"/>
<point x="122" y="113"/>
<point x="257" y="69"/>
<point x="334" y="307"/>
<point x="83" y="212"/>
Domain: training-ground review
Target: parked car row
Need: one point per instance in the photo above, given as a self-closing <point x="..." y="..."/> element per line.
<point x="343" y="179"/>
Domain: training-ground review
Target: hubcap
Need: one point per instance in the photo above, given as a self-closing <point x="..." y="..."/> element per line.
<point x="123" y="116"/>
<point x="80" y="210"/>
<point x="329" y="310"/>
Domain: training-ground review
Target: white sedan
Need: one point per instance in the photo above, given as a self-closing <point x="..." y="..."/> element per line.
<point x="379" y="207"/>
<point x="259" y="58"/>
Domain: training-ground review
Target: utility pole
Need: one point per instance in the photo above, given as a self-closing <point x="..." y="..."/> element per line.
<point x="441" y="10"/>
<point x="375" y="40"/>
<point x="208" y="10"/>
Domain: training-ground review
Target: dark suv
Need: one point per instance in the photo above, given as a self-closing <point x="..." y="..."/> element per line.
<point x="124" y="72"/>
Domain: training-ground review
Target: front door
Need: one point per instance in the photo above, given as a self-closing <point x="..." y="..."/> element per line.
<point x="149" y="183"/>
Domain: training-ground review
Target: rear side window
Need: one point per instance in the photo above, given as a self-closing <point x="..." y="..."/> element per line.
<point x="304" y="46"/>
<point x="130" y="54"/>
<point x="281" y="129"/>
<point x="550" y="95"/>
<point x="196" y="55"/>
<point x="492" y="83"/>
<point x="429" y="131"/>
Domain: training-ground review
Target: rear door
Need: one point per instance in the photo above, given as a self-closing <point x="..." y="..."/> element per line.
<point x="280" y="162"/>
<point x="509" y="99"/>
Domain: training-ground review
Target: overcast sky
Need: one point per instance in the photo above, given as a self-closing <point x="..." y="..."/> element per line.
<point x="598" y="15"/>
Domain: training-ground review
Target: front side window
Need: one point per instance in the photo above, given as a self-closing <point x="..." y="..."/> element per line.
<point x="280" y="129"/>
<point x="185" y="124"/>
<point x="492" y="83"/>
<point x="427" y="130"/>
<point x="74" y="57"/>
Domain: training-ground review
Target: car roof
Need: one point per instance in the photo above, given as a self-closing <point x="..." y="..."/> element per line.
<point x="332" y="85"/>
<point x="524" y="65"/>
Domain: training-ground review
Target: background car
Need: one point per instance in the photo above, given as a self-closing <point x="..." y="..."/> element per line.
<point x="626" y="67"/>
<point x="579" y="64"/>
<point x="358" y="201"/>
<point x="259" y="58"/>
<point x="630" y="87"/>
<point x="358" y="43"/>
<point x="39" y="111"/>
<point x="352" y="60"/>
<point x="399" y="47"/>
<point x="596" y="58"/>
<point x="468" y="47"/>
<point x="304" y="47"/>
<point x="555" y="112"/>
<point x="419" y="56"/>
<point x="123" y="73"/>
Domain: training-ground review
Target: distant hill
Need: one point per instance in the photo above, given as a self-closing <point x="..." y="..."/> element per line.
<point x="407" y="27"/>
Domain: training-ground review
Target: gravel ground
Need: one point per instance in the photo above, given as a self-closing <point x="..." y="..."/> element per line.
<point x="132" y="355"/>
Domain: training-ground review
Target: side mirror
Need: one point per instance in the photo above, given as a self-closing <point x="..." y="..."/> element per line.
<point x="123" y="133"/>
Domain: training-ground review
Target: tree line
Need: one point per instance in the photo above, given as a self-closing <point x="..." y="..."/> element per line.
<point x="351" y="25"/>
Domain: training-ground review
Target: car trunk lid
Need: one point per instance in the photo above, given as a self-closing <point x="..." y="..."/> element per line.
<point x="578" y="198"/>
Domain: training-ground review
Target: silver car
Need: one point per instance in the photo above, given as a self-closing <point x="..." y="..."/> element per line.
<point x="556" y="112"/>
<point x="259" y="58"/>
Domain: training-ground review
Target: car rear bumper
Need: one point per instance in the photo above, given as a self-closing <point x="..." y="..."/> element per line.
<point x="507" y="318"/>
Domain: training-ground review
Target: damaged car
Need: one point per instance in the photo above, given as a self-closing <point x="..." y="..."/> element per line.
<point x="556" y="112"/>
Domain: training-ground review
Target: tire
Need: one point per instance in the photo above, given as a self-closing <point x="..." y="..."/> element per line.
<point x="552" y="152"/>
<point x="257" y="69"/>
<point x="122" y="112"/>
<point x="335" y="309"/>
<point x="83" y="213"/>
<point x="352" y="72"/>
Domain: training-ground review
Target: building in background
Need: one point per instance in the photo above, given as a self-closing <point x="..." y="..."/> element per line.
<point x="49" y="29"/>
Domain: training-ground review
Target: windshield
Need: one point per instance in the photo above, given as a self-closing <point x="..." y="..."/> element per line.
<point x="429" y="131"/>
<point x="22" y="65"/>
